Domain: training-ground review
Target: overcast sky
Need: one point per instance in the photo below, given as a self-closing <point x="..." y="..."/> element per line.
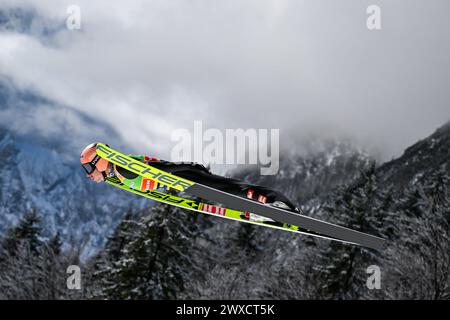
<point x="306" y="67"/>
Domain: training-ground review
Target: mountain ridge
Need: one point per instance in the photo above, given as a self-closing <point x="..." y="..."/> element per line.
<point x="418" y="159"/>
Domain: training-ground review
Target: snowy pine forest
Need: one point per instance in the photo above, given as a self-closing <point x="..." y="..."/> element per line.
<point x="162" y="252"/>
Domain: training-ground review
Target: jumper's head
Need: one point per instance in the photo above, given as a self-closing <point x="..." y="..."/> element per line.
<point x="93" y="164"/>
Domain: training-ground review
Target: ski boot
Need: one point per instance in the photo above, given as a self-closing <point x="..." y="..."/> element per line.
<point x="263" y="199"/>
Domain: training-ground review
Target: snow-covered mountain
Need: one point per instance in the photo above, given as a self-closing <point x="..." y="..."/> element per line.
<point x="419" y="160"/>
<point x="40" y="143"/>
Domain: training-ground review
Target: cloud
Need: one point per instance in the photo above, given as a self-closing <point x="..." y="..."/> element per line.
<point x="149" y="67"/>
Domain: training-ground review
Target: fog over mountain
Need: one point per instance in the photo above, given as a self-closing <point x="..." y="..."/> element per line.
<point x="308" y="68"/>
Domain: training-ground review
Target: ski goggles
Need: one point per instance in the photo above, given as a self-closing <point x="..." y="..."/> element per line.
<point x="91" y="166"/>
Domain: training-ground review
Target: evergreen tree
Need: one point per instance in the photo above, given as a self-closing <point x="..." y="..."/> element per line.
<point x="31" y="267"/>
<point x="341" y="271"/>
<point x="25" y="233"/>
<point x="53" y="269"/>
<point x="420" y="261"/>
<point x="20" y="267"/>
<point x="156" y="260"/>
<point x="54" y="245"/>
<point x="122" y="235"/>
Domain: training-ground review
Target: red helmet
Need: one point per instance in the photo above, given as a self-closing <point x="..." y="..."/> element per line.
<point x="90" y="160"/>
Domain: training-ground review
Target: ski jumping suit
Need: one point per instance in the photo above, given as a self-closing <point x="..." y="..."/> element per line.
<point x="199" y="174"/>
